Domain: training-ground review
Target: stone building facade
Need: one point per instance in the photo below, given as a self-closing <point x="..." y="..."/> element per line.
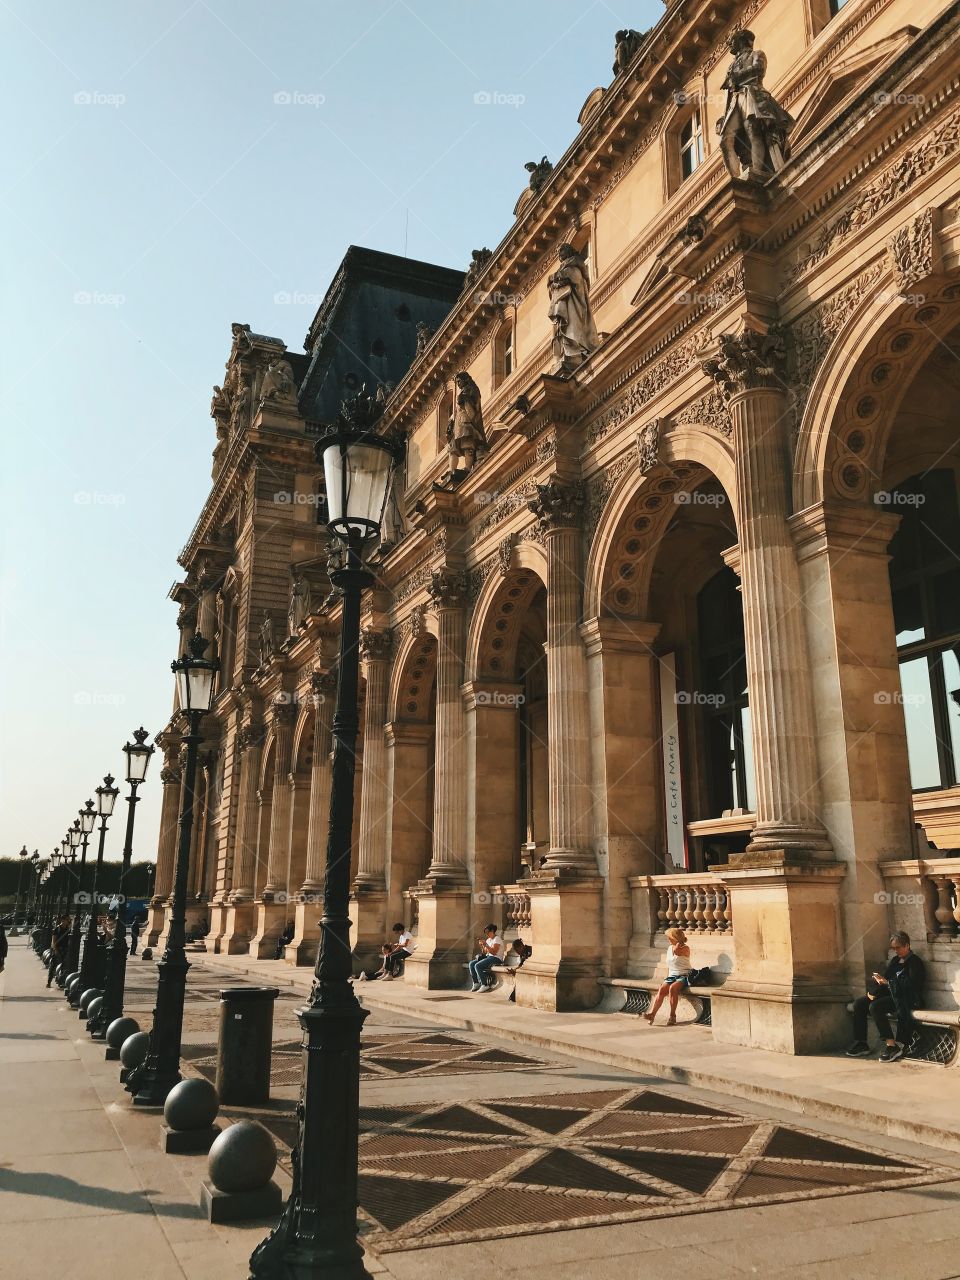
<point x="666" y="623"/>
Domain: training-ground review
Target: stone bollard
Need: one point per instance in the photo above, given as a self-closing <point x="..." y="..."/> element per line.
<point x="240" y="1168"/>
<point x="90" y="994"/>
<point x="245" y="1045"/>
<point x="133" y="1051"/>
<point x="189" y="1112"/>
<point x="119" y="1030"/>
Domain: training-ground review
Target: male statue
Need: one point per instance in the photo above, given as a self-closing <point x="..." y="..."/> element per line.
<point x="754" y="128"/>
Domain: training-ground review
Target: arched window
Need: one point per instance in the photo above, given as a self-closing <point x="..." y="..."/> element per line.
<point x="721" y="697"/>
<point x="444" y="412"/>
<point x="925" y="583"/>
<point x="684" y="141"/>
<point x="691" y="145"/>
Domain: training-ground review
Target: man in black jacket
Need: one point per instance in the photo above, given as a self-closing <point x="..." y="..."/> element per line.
<point x="899" y="990"/>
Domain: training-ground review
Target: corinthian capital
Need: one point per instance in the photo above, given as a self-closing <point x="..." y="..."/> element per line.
<point x="447" y="588"/>
<point x="375" y="646"/>
<point x="169" y="774"/>
<point x="557" y="505"/>
<point x="747" y="361"/>
<point x="283" y="709"/>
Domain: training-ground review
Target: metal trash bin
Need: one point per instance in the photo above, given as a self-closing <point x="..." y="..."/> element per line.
<point x="245" y="1045"/>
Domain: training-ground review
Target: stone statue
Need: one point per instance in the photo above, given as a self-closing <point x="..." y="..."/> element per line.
<point x="220" y="404"/>
<point x="300" y="605"/>
<point x="278" y="383"/>
<point x="574" y="334"/>
<point x="238" y="410"/>
<point x="268" y="643"/>
<point x="628" y="42"/>
<point x="539" y="171"/>
<point x="424" y="334"/>
<point x="465" y="434"/>
<point x="754" y="128"/>
<point x="478" y="260"/>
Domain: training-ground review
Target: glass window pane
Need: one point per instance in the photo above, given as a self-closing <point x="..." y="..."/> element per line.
<point x="908" y="615"/>
<point x="951" y="673"/>
<point x="945" y="597"/>
<point x="921" y="730"/>
<point x="749" y="801"/>
<point x="722" y="772"/>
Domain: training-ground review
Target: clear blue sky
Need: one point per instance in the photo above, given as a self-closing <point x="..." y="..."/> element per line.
<point x="155" y="189"/>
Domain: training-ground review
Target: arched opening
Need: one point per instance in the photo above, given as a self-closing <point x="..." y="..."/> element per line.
<point x="264" y="812"/>
<point x="301" y="774"/>
<point x="410" y="744"/>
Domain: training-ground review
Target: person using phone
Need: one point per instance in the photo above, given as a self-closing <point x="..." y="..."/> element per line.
<point x="898" y="990"/>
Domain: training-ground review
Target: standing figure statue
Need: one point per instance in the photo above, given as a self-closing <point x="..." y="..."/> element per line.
<point x="278" y="383"/>
<point x="574" y="333"/>
<point x="628" y="42"/>
<point x="539" y="171"/>
<point x="466" y="437"/>
<point x="754" y="128"/>
<point x="300" y="605"/>
<point x="268" y="644"/>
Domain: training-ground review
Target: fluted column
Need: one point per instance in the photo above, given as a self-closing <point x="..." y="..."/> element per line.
<point x="324" y="687"/>
<point x="781" y="702"/>
<point x="557" y="506"/>
<point x="447" y="590"/>
<point x="279" y="848"/>
<point x="170" y="777"/>
<point x="375" y="650"/>
<point x="249" y="741"/>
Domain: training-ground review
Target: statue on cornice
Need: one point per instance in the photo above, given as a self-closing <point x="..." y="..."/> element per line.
<point x="539" y="171"/>
<point x="754" y="129"/>
<point x="278" y="383"/>
<point x="424" y="334"/>
<point x="574" y="333"/>
<point x="239" y="407"/>
<point x="628" y="42"/>
<point x="300" y="605"/>
<point x="466" y="437"/>
<point x="478" y="261"/>
<point x="268" y="643"/>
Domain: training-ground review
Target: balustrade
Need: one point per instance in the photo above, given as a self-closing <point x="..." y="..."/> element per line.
<point x="696" y="903"/>
<point x="515" y="905"/>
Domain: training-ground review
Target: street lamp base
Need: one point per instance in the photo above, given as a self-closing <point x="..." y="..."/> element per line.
<point x="281" y="1258"/>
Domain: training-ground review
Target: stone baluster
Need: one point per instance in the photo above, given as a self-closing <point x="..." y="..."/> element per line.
<point x="748" y="374"/>
<point x="709" y="908"/>
<point x="375" y="650"/>
<point x="447" y="590"/>
<point x="663" y="907"/>
<point x="278" y="854"/>
<point x="944" y="911"/>
<point x="558" y="507"/>
<point x="699" y="908"/>
<point x="956" y="898"/>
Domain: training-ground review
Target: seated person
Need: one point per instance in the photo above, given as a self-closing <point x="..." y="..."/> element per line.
<point x="518" y="953"/>
<point x="678" y="976"/>
<point x="491" y="953"/>
<point x="399" y="951"/>
<point x="285" y="938"/>
<point x="385" y="950"/>
<point x="899" y="990"/>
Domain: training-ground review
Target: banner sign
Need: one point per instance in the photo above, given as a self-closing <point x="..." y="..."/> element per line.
<point x="670" y="747"/>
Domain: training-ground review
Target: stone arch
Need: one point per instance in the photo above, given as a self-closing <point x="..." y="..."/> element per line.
<point x="639" y="511"/>
<point x="265" y="781"/>
<point x="301" y="754"/>
<point x="412" y="679"/>
<point x="495" y="626"/>
<point x="859" y="387"/>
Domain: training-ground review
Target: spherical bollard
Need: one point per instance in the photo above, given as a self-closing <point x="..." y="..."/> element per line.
<point x="94" y="1007"/>
<point x="121" y="1029"/>
<point x="243" y="1158"/>
<point x="90" y="994"/>
<point x="146" y="953"/>
<point x="135" y="1049"/>
<point x="191" y="1104"/>
<point x="72" y="988"/>
<point x="70" y="978"/>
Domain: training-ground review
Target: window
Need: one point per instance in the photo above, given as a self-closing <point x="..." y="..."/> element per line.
<point x="836" y="6"/>
<point x="444" y="414"/>
<point x="691" y="145"/>
<point x="925" y="583"/>
<point x="504" y="361"/>
<point x="721" y="697"/>
<point x="508" y="352"/>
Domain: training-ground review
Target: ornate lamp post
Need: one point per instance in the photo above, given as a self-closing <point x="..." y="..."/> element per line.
<point x="106" y="799"/>
<point x="138" y="758"/>
<point x="32" y="901"/>
<point x="151" y="1082"/>
<point x="317" y="1234"/>
<point x="23" y="858"/>
<point x="86" y="822"/>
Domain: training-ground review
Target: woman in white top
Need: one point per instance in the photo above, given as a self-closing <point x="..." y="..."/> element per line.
<point x="678" y="970"/>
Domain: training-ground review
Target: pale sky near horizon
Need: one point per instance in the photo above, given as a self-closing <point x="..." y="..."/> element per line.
<point x="171" y="168"/>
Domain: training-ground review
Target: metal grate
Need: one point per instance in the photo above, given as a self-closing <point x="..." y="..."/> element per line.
<point x="638" y="1000"/>
<point x="934" y="1044"/>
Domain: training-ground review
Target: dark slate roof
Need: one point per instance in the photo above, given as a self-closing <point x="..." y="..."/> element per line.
<point x="365" y="331"/>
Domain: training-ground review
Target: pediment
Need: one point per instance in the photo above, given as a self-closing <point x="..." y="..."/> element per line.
<point x="846" y="77"/>
<point x="591" y="105"/>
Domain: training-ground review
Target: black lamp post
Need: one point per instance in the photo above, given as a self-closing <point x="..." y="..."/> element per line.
<point x="106" y="799"/>
<point x="85" y="824"/>
<point x="151" y="1082"/>
<point x="23" y="858"/>
<point x="138" y="758"/>
<point x="317" y="1234"/>
<point x="32" y="901"/>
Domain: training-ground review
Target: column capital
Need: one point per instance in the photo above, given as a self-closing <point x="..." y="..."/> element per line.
<point x="558" y="504"/>
<point x="748" y="361"/>
<point x="323" y="684"/>
<point x="447" y="588"/>
<point x="283" y="711"/>
<point x="170" y="774"/>
<point x="375" y="646"/>
<point x="832" y="527"/>
<point x="249" y="735"/>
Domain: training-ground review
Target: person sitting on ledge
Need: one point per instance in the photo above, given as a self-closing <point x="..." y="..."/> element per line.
<point x="399" y="952"/>
<point x="285" y="939"/>
<point x="385" y="950"/>
<point x="678" y="971"/>
<point x="898" y="991"/>
<point x="517" y="955"/>
<point x="491" y="953"/>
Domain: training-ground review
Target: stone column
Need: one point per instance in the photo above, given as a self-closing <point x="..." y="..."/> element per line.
<point x="239" y="922"/>
<point x="272" y="909"/>
<point x="778" y="670"/>
<point x="783" y="993"/>
<point x="443" y="939"/>
<point x="558" y="507"/>
<point x="303" y="949"/>
<point x="369" y="906"/>
<point x="170" y="777"/>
